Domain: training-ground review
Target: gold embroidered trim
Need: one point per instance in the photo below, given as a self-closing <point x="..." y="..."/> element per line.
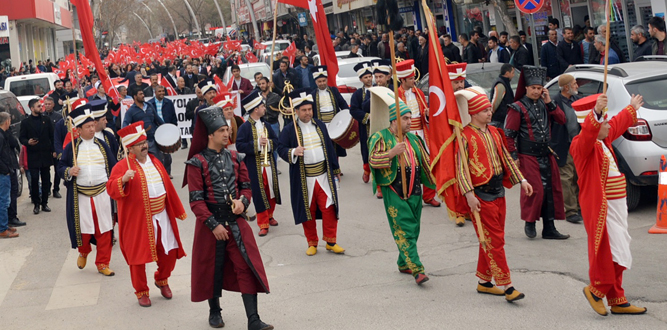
<point x="161" y="282"/>
<point x="157" y="204"/>
<point x="596" y="292"/>
<point x="402" y="243"/>
<point x="616" y="301"/>
<point x="141" y="294"/>
<point x="317" y="169"/>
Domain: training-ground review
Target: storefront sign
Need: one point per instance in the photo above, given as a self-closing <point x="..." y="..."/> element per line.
<point x="56" y="14"/>
<point x="343" y="6"/>
<point x="4" y="26"/>
<point x="328" y="10"/>
<point x="302" y="19"/>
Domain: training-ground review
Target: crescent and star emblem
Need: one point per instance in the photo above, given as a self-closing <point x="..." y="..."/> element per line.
<point x="442" y="100"/>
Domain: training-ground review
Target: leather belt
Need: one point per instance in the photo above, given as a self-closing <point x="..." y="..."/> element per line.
<point x="491" y="190"/>
<point x="398" y="186"/>
<point x="533" y="148"/>
<point x="222" y="212"/>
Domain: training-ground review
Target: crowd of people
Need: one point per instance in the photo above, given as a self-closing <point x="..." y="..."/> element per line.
<point x="118" y="177"/>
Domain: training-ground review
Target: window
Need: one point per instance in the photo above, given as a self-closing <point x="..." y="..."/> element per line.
<point x="29" y="87"/>
<point x="588" y="87"/>
<point x="653" y="92"/>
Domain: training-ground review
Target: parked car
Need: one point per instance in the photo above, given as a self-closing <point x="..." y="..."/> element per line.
<point x="280" y="46"/>
<point x="347" y="79"/>
<point x="477" y="74"/>
<point x="248" y="71"/>
<point x="10" y="104"/>
<point x="339" y="55"/>
<point x="639" y="149"/>
<point x="30" y="86"/>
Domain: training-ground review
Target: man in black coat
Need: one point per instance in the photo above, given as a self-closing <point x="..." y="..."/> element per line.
<point x="470" y="50"/>
<point x="165" y="109"/>
<point x="520" y="55"/>
<point x="549" y="56"/>
<point x="37" y="135"/>
<point x="285" y="74"/>
<point x="569" y="51"/>
<point x="55" y="116"/>
<point x="644" y="45"/>
<point x="450" y="50"/>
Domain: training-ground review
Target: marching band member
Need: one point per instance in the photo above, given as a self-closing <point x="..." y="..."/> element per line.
<point x="257" y="141"/>
<point x="102" y="132"/>
<point x="404" y="214"/>
<point x="89" y="209"/>
<point x="313" y="170"/>
<point x="360" y="109"/>
<point x="491" y="166"/>
<point x="416" y="102"/>
<point x="148" y="206"/>
<point x="225" y="255"/>
<point x="604" y="206"/>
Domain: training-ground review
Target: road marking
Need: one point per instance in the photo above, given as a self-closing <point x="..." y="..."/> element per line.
<point x="12" y="262"/>
<point x="76" y="287"/>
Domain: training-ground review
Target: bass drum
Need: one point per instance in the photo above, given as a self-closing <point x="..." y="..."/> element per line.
<point x="344" y="130"/>
<point x="168" y="138"/>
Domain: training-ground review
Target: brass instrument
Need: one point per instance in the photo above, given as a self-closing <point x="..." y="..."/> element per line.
<point x="289" y="111"/>
<point x="265" y="150"/>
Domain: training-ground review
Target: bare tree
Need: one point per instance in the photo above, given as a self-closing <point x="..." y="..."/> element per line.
<point x="113" y="15"/>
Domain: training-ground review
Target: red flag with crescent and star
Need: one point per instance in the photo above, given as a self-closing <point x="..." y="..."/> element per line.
<point x="322" y="36"/>
<point x="443" y="117"/>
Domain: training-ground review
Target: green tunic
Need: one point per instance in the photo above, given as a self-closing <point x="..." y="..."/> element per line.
<point x="404" y="216"/>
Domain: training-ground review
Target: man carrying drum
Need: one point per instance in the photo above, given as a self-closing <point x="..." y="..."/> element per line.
<point x="416" y="102"/>
<point x="328" y="101"/>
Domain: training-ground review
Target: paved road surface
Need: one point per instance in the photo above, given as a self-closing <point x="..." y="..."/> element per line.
<point x="41" y="287"/>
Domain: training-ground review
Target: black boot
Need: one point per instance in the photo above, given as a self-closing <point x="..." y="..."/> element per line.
<point x="530" y="229"/>
<point x="254" y="323"/>
<point x="549" y="231"/>
<point x="214" y="316"/>
<point x="36" y="209"/>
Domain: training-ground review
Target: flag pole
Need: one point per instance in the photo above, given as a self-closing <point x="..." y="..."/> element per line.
<point x="273" y="43"/>
<point x="606" y="46"/>
<point x="76" y="58"/>
<point x="399" y="126"/>
<point x="457" y="129"/>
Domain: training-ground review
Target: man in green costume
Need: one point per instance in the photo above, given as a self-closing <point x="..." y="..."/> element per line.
<point x="404" y="214"/>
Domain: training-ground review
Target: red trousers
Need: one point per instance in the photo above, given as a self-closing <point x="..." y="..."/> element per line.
<point x="428" y="194"/>
<point x="329" y="220"/>
<point x="491" y="263"/>
<point x="264" y="217"/>
<point x="103" y="243"/>
<point x="614" y="292"/>
<point x="165" y="265"/>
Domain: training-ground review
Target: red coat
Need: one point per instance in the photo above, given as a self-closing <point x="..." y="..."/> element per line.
<point x="593" y="167"/>
<point x="421" y="99"/>
<point x="246" y="86"/>
<point x="137" y="236"/>
<point x="204" y="246"/>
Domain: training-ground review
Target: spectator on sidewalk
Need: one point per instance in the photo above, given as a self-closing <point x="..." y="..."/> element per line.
<point x="549" y="56"/>
<point x="569" y="51"/>
<point x="644" y="45"/>
<point x="7" y="169"/>
<point x="37" y="135"/>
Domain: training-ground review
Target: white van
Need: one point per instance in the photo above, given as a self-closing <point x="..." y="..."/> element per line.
<point x="30" y="86"/>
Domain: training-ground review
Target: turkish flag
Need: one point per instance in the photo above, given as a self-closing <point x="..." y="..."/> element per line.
<point x="257" y="45"/>
<point x="251" y="57"/>
<point x="443" y="116"/>
<point x="322" y="36"/>
<point x="221" y="86"/>
<point x="85" y="15"/>
<point x="111" y="90"/>
<point x="290" y="52"/>
<point x="91" y="92"/>
<point x="232" y="45"/>
<point x="170" y="89"/>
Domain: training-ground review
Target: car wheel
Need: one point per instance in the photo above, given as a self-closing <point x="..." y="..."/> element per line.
<point x="634" y="193"/>
<point x="19" y="178"/>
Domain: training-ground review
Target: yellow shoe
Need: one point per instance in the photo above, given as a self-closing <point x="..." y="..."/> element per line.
<point x="512" y="295"/>
<point x="493" y="290"/>
<point x="598" y="306"/>
<point x="335" y="249"/>
<point x="106" y="271"/>
<point x="312" y="250"/>
<point x="460" y="221"/>
<point x="631" y="309"/>
<point x="81" y="261"/>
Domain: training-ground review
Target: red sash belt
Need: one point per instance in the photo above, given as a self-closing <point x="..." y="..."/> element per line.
<point x="615" y="188"/>
<point x="157" y="204"/>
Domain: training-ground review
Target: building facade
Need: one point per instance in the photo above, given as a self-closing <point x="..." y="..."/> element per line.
<point x="37" y="30"/>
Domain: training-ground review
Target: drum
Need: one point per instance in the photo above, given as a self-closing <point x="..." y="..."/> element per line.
<point x="168" y="138"/>
<point x="344" y="130"/>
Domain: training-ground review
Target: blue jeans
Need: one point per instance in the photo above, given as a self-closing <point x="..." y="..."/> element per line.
<point x="5" y="188"/>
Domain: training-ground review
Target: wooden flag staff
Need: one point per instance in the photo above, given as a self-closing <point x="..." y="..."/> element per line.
<point x="399" y="125"/>
<point x="457" y="129"/>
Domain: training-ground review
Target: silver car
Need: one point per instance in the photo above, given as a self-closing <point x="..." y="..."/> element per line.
<point x="248" y="71"/>
<point x="477" y="74"/>
<point x="639" y="149"/>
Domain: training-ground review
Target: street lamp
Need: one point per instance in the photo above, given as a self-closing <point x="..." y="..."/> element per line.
<point x="146" y="25"/>
<point x="194" y="17"/>
<point x="171" y="18"/>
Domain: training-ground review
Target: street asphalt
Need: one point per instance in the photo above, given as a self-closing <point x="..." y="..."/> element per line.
<point x="41" y="287"/>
